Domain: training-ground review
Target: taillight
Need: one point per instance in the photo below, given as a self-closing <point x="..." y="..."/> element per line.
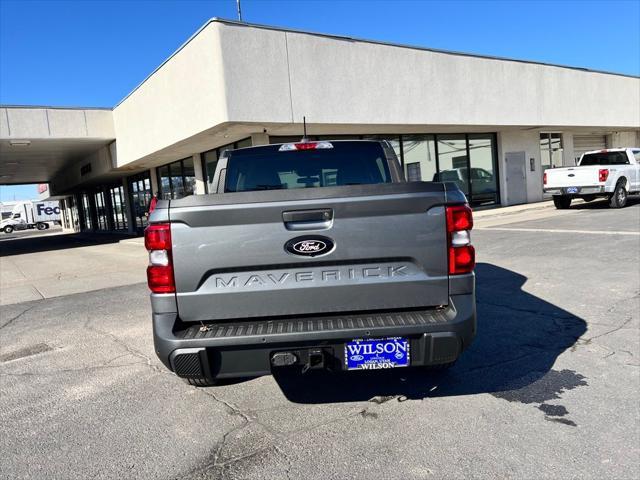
<point x="157" y="240"/>
<point x="544" y="178"/>
<point x="462" y="255"/>
<point x="291" y="147"/>
<point x="603" y="174"/>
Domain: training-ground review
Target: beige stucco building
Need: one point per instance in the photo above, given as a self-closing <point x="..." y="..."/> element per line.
<point x="491" y="124"/>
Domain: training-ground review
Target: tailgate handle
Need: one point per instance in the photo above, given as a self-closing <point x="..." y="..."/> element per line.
<point x="308" y="219"/>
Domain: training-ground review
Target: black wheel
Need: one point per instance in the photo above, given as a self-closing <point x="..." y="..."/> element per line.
<point x="562" y="202"/>
<point x="200" y="382"/>
<point x="619" y="197"/>
<point x="41" y="226"/>
<point x="589" y="198"/>
<point x="7" y="229"/>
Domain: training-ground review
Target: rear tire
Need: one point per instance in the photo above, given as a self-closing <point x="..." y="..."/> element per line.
<point x="562" y="202"/>
<point x="7" y="229"/>
<point x="41" y="226"/>
<point x="619" y="197"/>
<point x="200" y="382"/>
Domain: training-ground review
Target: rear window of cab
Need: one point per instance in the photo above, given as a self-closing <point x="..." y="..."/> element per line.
<point x="604" y="158"/>
<point x="320" y="164"/>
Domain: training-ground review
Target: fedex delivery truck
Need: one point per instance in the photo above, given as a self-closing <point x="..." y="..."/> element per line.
<point x="29" y="214"/>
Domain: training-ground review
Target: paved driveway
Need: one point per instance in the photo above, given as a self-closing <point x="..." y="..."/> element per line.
<point x="550" y="388"/>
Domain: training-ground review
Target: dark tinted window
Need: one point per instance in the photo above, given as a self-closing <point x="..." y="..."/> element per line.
<point x="604" y="158"/>
<point x="267" y="168"/>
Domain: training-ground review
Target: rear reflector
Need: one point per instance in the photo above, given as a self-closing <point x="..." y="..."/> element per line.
<point x="290" y="147"/>
<point x="603" y="174"/>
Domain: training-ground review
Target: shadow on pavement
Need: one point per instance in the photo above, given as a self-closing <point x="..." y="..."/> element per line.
<point x="603" y="204"/>
<point x="519" y="338"/>
<point x="19" y="245"/>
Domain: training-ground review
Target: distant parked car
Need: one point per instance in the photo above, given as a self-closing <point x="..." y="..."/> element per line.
<point x="613" y="173"/>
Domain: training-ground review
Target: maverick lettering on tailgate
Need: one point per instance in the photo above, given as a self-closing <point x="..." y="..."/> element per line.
<point x="341" y="274"/>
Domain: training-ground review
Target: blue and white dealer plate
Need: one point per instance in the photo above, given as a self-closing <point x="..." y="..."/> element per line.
<point x="373" y="354"/>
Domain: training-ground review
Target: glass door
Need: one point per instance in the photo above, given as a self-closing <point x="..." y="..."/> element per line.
<point x="140" y="191"/>
<point x="118" y="213"/>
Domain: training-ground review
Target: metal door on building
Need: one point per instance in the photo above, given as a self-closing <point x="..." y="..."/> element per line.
<point x="516" y="177"/>
<point x="587" y="143"/>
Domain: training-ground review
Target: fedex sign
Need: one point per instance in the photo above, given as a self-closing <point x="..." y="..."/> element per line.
<point x="45" y="210"/>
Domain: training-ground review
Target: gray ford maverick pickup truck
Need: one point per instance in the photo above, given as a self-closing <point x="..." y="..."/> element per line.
<point x="311" y="255"/>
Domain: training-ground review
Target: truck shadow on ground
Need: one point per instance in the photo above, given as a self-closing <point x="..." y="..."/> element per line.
<point x="17" y="243"/>
<point x="603" y="204"/>
<point x="519" y="338"/>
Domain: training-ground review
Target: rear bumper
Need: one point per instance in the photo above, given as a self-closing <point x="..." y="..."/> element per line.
<point x="246" y="348"/>
<point x="586" y="190"/>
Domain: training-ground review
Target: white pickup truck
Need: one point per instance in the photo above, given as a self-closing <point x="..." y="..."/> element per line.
<point x="613" y="173"/>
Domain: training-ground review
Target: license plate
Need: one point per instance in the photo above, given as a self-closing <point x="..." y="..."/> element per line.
<point x="374" y="354"/>
<point x="572" y="189"/>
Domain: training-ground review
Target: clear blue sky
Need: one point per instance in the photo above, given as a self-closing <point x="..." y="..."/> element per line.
<point x="94" y="52"/>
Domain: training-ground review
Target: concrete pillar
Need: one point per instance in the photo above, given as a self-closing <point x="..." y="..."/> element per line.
<point x="259" y="139"/>
<point x="154" y="181"/>
<point x="568" y="158"/>
<point x="200" y="180"/>
<point x="131" y="226"/>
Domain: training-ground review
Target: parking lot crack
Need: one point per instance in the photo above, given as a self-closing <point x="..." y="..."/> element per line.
<point x="128" y="348"/>
<point x="11" y="320"/>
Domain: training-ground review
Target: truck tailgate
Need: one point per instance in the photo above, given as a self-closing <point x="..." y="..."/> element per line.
<point x="572" y="177"/>
<point x="387" y="249"/>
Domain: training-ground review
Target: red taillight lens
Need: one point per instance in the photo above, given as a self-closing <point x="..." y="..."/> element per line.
<point x="462" y="256"/>
<point x="306" y="146"/>
<point x="158" y="237"/>
<point x="603" y="174"/>
<point x="157" y="240"/>
<point x="160" y="278"/>
<point x="461" y="259"/>
<point x="292" y="147"/>
<point x="459" y="218"/>
<point x="544" y="178"/>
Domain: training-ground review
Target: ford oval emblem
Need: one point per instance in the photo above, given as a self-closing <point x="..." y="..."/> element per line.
<point x="572" y="175"/>
<point x="310" y="246"/>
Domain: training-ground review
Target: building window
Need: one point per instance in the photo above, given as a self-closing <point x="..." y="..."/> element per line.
<point x="482" y="168"/>
<point x="211" y="157"/>
<point x="177" y="179"/>
<point x="453" y="161"/>
<point x="101" y="210"/>
<point x="419" y="156"/>
<point x="551" y="150"/>
<point x="118" y="213"/>
<point x="86" y="212"/>
<point x="140" y="193"/>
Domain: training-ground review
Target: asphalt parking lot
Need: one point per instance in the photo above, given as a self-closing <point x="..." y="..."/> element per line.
<point x="549" y="389"/>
